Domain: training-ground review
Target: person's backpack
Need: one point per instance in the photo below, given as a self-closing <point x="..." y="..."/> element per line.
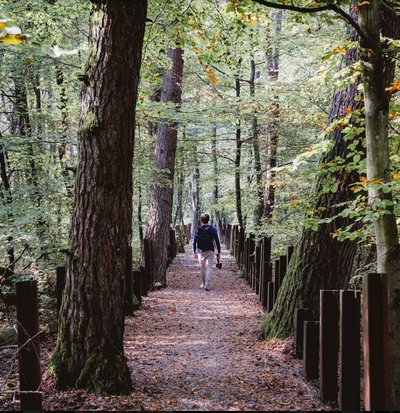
<point x="205" y="238"/>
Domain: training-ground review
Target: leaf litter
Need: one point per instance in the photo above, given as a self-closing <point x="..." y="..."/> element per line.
<point x="191" y="349"/>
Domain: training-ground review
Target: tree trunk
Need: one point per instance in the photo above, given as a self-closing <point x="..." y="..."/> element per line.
<point x="378" y="170"/>
<point x="272" y="129"/>
<point x="319" y="260"/>
<point x="258" y="210"/>
<point x="7" y="201"/>
<point x="217" y="212"/>
<point x="238" y="156"/>
<point x="89" y="352"/>
<point x="161" y="195"/>
<point x="62" y="148"/>
<point x="195" y="191"/>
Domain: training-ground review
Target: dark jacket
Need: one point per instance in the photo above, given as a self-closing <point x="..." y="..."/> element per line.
<point x="207" y="237"/>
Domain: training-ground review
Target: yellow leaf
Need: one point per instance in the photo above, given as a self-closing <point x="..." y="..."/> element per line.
<point x="363" y="3"/>
<point x="295" y="201"/>
<point x="13" y="39"/>
<point x="341" y="50"/>
<point x="393" y="86"/>
<point x="347" y="110"/>
<point x="2" y="25"/>
<point x="363" y="179"/>
<point x="396" y="175"/>
<point x="211" y="74"/>
<point x="356" y="187"/>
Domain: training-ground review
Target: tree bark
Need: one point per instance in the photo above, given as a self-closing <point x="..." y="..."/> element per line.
<point x="89" y="352"/>
<point x="378" y="170"/>
<point x="238" y="155"/>
<point x="272" y="129"/>
<point x="62" y="148"/>
<point x="258" y="210"/>
<point x="217" y="212"/>
<point x="319" y="260"/>
<point x="7" y="201"/>
<point x="195" y="191"/>
<point x="161" y="195"/>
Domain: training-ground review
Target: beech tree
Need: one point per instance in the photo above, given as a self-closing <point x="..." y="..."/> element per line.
<point x="89" y="350"/>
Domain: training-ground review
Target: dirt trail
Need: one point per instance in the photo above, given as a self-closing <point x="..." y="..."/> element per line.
<point x="191" y="349"/>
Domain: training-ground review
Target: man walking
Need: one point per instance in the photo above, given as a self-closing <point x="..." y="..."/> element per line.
<point x="204" y="242"/>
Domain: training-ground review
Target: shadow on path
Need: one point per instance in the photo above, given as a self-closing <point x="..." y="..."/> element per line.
<point x="191" y="349"/>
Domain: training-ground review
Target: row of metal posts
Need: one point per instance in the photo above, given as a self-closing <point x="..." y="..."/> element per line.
<point x="332" y="351"/>
<point x="138" y="283"/>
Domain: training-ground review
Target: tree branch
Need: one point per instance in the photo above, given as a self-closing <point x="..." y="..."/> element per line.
<point x="342" y="14"/>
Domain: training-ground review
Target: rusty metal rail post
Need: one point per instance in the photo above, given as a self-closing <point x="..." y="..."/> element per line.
<point x="377" y="378"/>
<point x="30" y="376"/>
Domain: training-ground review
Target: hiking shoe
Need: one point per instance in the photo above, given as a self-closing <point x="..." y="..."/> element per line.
<point x="206" y="288"/>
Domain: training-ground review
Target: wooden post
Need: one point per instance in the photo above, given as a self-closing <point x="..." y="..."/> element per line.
<point x="61" y="276"/>
<point x="242" y="237"/>
<point x="137" y="284"/>
<point x="329" y="345"/>
<point x="252" y="248"/>
<point x="290" y="250"/>
<point x="311" y="350"/>
<point x="349" y="355"/>
<point x="377" y="380"/>
<point x="30" y="376"/>
<point x="300" y="316"/>
<point x="262" y="285"/>
<point x="282" y="268"/>
<point x="257" y="262"/>
<point x="148" y="280"/>
<point x="277" y="282"/>
<point x="271" y="296"/>
<point x="128" y="307"/>
<point x="266" y="279"/>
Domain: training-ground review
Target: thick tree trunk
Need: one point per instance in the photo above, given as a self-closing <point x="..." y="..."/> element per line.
<point x="319" y="260"/>
<point x="161" y="195"/>
<point x="272" y="129"/>
<point x="89" y="352"/>
<point x="378" y="170"/>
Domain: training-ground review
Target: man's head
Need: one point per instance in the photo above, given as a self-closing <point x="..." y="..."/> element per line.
<point x="204" y="218"/>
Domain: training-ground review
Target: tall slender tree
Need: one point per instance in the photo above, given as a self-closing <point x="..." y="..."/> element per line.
<point x="89" y="350"/>
<point x="378" y="167"/>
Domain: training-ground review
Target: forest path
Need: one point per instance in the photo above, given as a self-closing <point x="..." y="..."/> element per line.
<point x="191" y="349"/>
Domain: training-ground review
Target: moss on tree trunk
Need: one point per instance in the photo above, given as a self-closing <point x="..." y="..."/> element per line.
<point x="89" y="352"/>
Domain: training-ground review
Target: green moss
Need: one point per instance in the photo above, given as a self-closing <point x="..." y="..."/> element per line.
<point x="89" y="125"/>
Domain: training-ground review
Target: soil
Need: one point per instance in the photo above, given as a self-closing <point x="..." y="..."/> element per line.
<point x="191" y="349"/>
